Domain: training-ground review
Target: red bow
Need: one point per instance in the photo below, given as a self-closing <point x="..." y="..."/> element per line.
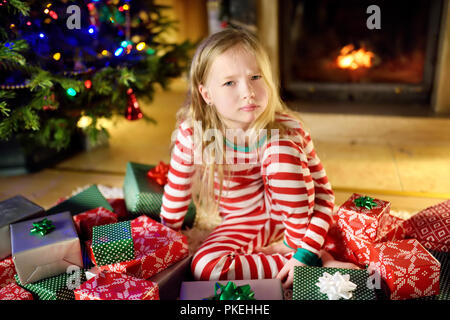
<point x="159" y="173"/>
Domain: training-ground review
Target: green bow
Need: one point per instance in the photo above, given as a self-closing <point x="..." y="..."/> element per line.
<point x="232" y="292"/>
<point x="42" y="227"/>
<point x="365" y="202"/>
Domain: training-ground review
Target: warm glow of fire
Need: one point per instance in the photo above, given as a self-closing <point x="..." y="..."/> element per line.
<point x="354" y="59"/>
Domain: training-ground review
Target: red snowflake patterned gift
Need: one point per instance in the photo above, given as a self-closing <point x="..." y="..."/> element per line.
<point x="84" y="222"/>
<point x="156" y="247"/>
<point x="14" y="292"/>
<point x="367" y="218"/>
<point x="116" y="286"/>
<point x="7" y="272"/>
<point x="431" y="227"/>
<point x="407" y="268"/>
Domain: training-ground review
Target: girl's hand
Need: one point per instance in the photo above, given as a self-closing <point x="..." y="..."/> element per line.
<point x="277" y="247"/>
<point x="286" y="274"/>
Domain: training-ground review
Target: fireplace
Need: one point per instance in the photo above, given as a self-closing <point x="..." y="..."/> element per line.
<point x="330" y="51"/>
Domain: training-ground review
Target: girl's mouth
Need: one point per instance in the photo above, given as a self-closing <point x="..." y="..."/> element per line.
<point x="249" y="107"/>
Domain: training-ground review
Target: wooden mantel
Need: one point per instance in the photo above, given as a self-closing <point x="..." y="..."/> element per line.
<point x="268" y="29"/>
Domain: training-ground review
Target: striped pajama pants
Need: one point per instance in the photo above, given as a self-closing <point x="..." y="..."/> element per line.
<point x="228" y="252"/>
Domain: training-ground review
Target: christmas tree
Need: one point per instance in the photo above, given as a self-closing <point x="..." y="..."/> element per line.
<point x="62" y="61"/>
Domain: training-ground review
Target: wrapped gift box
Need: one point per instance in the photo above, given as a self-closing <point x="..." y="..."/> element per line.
<point x="156" y="247"/>
<point x="13" y="210"/>
<point x="37" y="257"/>
<point x="112" y="243"/>
<point x="306" y="278"/>
<point x="431" y="227"/>
<point x="169" y="280"/>
<point x="59" y="287"/>
<point x="143" y="195"/>
<point x="116" y="286"/>
<point x="84" y="222"/>
<point x="14" y="292"/>
<point x="337" y="247"/>
<point x="407" y="268"/>
<point x="366" y="223"/>
<point x="264" y="289"/>
<point x="120" y="208"/>
<point x="83" y="201"/>
<point x="444" y="278"/>
<point x="7" y="272"/>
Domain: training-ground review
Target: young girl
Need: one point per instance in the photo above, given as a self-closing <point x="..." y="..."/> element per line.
<point x="266" y="187"/>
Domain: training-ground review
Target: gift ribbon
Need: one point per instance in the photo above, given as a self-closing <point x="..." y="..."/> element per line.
<point x="159" y="173"/>
<point x="365" y="202"/>
<point x="42" y="227"/>
<point x="232" y="292"/>
<point x="336" y="286"/>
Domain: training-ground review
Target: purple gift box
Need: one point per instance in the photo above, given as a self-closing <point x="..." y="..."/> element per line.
<point x="264" y="289"/>
<point x="13" y="210"/>
<point x="38" y="256"/>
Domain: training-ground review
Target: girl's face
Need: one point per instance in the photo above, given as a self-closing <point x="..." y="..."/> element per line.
<point x="236" y="88"/>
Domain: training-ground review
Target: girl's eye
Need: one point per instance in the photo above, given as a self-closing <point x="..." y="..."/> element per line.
<point x="228" y="83"/>
<point x="256" y="77"/>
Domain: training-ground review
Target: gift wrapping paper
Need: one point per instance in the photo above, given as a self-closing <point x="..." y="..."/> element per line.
<point x="305" y="279"/>
<point x="13" y="210"/>
<point x="14" y="292"/>
<point x="444" y="278"/>
<point x="364" y="223"/>
<point x="156" y="247"/>
<point x="112" y="243"/>
<point x="120" y="208"/>
<point x="37" y="257"/>
<point x="431" y="227"/>
<point x="407" y="268"/>
<point x="83" y="201"/>
<point x="337" y="247"/>
<point x="58" y="287"/>
<point x="84" y="222"/>
<point x="143" y="195"/>
<point x="116" y="286"/>
<point x="264" y="289"/>
<point x="7" y="272"/>
<point x="169" y="280"/>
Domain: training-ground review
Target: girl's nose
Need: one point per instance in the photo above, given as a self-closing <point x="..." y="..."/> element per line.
<point x="248" y="92"/>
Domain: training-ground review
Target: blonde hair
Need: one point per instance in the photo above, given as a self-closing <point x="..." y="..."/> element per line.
<point x="195" y="109"/>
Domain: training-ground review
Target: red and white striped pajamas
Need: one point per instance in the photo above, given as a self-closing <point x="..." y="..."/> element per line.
<point x="281" y="193"/>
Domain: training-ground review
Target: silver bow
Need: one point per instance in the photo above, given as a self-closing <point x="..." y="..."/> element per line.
<point x="336" y="286"/>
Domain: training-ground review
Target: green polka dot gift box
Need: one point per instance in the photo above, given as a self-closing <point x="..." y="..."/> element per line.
<point x="307" y="280"/>
<point x="59" y="287"/>
<point x="112" y="243"/>
<point x="143" y="195"/>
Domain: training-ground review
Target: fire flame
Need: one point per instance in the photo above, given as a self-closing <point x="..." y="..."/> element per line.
<point x="354" y="59"/>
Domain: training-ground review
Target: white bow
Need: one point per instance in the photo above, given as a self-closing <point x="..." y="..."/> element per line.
<point x="336" y="286"/>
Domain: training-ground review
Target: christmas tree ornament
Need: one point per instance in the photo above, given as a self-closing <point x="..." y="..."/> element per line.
<point x="133" y="111"/>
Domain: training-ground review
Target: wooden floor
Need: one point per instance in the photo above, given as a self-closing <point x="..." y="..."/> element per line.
<point x="405" y="160"/>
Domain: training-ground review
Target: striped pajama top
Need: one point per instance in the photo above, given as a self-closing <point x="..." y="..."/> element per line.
<point x="282" y="177"/>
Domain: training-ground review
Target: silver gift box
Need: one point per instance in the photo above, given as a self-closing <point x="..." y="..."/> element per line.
<point x="265" y="289"/>
<point x="13" y="210"/>
<point x="37" y="257"/>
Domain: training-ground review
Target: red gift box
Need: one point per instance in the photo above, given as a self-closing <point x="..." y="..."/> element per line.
<point x="431" y="227"/>
<point x="7" y="272"/>
<point x="407" y="268"/>
<point x="14" y="292"/>
<point x="84" y="222"/>
<point x="336" y="246"/>
<point x="156" y="248"/>
<point x="116" y="286"/>
<point x="119" y="207"/>
<point x="364" y="223"/>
